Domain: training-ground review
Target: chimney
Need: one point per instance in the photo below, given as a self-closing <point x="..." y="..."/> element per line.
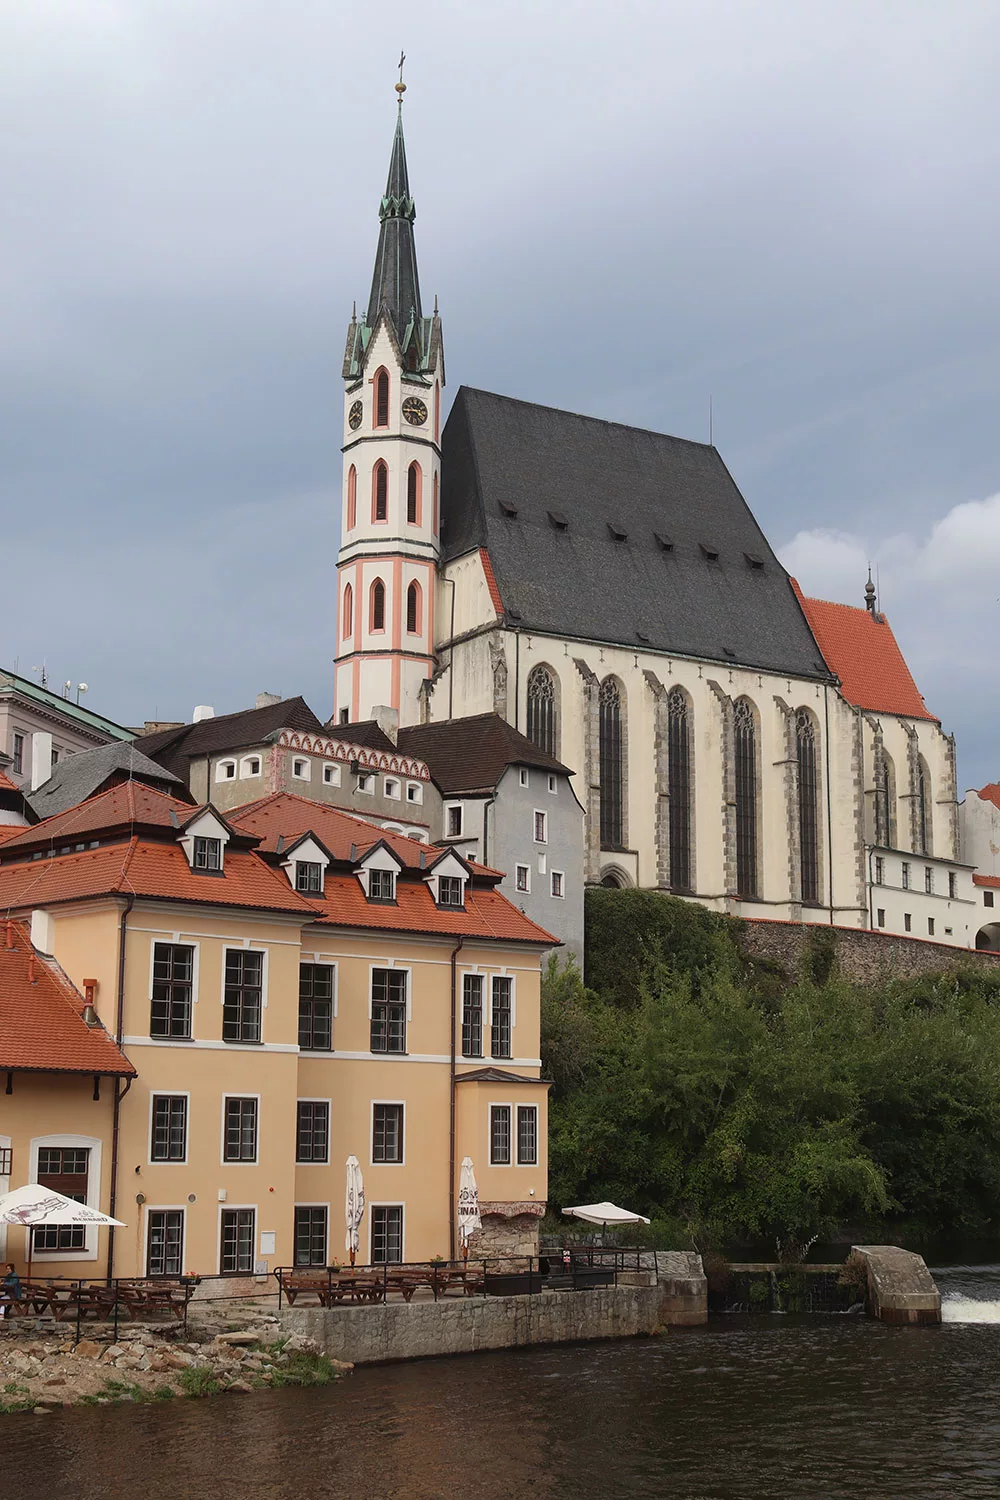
<point x="41" y="931"/>
<point x="202" y="712"/>
<point x="268" y="700"/>
<point x="387" y="720"/>
<point x="41" y="758"/>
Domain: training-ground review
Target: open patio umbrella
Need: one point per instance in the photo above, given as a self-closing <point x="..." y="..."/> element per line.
<point x="354" y="1210"/>
<point x="468" y="1204"/>
<point x="37" y="1207"/>
<point x="605" y="1214"/>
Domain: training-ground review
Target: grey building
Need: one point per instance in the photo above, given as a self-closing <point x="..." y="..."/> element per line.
<point x="512" y="806"/>
<point x="40" y="728"/>
<point x="91" y="772"/>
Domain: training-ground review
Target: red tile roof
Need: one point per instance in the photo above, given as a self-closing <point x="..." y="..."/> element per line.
<point x="491" y="581"/>
<point x="487" y="914"/>
<point x="993" y="881"/>
<point x="130" y="803"/>
<point x="6" y="784"/>
<point x="8" y="830"/>
<point x="990" y="793"/>
<point x="862" y="650"/>
<point x="41" y="1022"/>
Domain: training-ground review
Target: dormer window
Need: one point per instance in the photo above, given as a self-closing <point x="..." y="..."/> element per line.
<point x="451" y="891"/>
<point x="207" y="854"/>
<point x="381" y="885"/>
<point x="309" y="877"/>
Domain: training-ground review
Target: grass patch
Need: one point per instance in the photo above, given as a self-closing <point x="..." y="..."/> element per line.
<point x="11" y="1404"/>
<point x="164" y="1393"/>
<point x="198" y="1382"/>
<point x="302" y="1369"/>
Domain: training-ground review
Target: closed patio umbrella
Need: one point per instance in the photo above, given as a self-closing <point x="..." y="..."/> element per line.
<point x="354" y="1210"/>
<point x="468" y="1204"/>
<point x="37" y="1207"/>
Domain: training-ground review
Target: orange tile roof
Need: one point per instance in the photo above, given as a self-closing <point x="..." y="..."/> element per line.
<point x="41" y="1022"/>
<point x="9" y="830"/>
<point x="993" y="881"/>
<point x="6" y="785"/>
<point x="990" y="793"/>
<point x="487" y="914"/>
<point x="491" y="581"/>
<point x="131" y="802"/>
<point x="862" y="650"/>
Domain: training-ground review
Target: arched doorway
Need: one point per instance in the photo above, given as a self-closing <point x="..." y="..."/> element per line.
<point x="614" y="879"/>
<point x="988" y="938"/>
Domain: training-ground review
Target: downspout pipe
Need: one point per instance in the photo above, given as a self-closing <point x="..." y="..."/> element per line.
<point x="119" y="1091"/>
<point x="829" y="799"/>
<point x="454" y="1060"/>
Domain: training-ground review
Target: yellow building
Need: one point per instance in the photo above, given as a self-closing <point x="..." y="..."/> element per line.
<point x="292" y="986"/>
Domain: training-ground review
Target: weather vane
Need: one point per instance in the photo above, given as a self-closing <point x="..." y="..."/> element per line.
<point x="401" y="86"/>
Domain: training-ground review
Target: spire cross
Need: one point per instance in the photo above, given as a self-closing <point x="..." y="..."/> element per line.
<point x="401" y="86"/>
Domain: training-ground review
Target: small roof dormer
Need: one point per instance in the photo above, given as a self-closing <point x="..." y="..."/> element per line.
<point x="204" y="837"/>
<point x="378" y="870"/>
<point x="447" y="879"/>
<point x="305" y="862"/>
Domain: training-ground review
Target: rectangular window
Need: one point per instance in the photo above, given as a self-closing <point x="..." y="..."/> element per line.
<point x="237" y="1241"/>
<point x="366" y="782"/>
<point x="310" y="1236"/>
<point x="414" y="792"/>
<point x="208" y="854"/>
<point x="450" y="890"/>
<point x="388" y="1027"/>
<point x="930" y="926"/>
<point x="309" y="877"/>
<point x="381" y="885"/>
<point x="527" y="1135"/>
<point x="391" y="789"/>
<point x="557" y="883"/>
<point x="164" y="1242"/>
<point x="53" y="758"/>
<point x="454" y="822"/>
<point x="523" y="776"/>
<point x="169" y="1130"/>
<point x="907" y="921"/>
<point x="66" y="1169"/>
<point x="241" y="1130"/>
<point x="301" y="769"/>
<point x="522" y="878"/>
<point x="499" y="1135"/>
<point x="331" y="775"/>
<point x="173" y="985"/>
<point x="879" y="870"/>
<point x="501" y="1016"/>
<point x="552" y="783"/>
<point x="241" y="1011"/>
<point x="541" y="836"/>
<point x="928" y="880"/>
<point x="880" y="916"/>
<point x="472" y="1015"/>
<point x="987" y="898"/>
<point x="387" y="1234"/>
<point x="316" y="1007"/>
<point x="387" y="1133"/>
<point x="906" y="875"/>
<point x="18" y="766"/>
<point x="952" y="884"/>
<point x="313" y="1137"/>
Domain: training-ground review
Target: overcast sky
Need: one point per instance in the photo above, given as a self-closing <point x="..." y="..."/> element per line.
<point x="791" y="207"/>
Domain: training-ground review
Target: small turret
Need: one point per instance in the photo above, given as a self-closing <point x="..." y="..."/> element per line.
<point x="870" y="594"/>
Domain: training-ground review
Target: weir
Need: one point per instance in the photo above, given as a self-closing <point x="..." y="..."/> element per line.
<point x="900" y="1287"/>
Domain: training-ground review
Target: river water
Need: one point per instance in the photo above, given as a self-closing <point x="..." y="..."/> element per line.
<point x="748" y="1408"/>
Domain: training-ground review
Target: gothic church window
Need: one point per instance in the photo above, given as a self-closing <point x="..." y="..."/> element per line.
<point x="348" y="612"/>
<point x="413" y="487"/>
<point x="378" y="605"/>
<point x="352" y="498"/>
<point x="382" y="399"/>
<point x="745" y="737"/>
<point x="542" y="718"/>
<point x="612" y="765"/>
<point x="380" y="492"/>
<point x="884" y="799"/>
<point x="925" y="825"/>
<point x="805" y="751"/>
<point x="679" y="788"/>
<point x="413" y="609"/>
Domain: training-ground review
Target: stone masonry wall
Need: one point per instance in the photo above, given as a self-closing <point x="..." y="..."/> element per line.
<point x="861" y="955"/>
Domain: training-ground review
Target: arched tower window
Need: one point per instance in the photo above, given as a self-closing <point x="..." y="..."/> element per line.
<point x="413" y="488"/>
<point x="805" y="751"/>
<point x="352" y="498"/>
<point x="382" y="399"/>
<point x="542" y="714"/>
<point x="348" y="612"/>
<point x="378" y="605"/>
<point x="745" y="737"/>
<point x="885" y="799"/>
<point x="925" y="814"/>
<point x="612" y="765"/>
<point x="437" y="517"/>
<point x="413" y="608"/>
<point x="679" y="788"/>
<point x="380" y="492"/>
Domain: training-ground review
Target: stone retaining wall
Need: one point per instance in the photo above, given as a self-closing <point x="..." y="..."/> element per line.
<point x="859" y="954"/>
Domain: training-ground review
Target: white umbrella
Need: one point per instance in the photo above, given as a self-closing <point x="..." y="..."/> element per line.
<point x="605" y="1214"/>
<point x="468" y="1204"/>
<point x="35" y="1206"/>
<point x="355" y="1204"/>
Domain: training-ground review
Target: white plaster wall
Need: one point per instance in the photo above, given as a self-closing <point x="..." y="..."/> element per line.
<point x="955" y="918"/>
<point x="979" y="824"/>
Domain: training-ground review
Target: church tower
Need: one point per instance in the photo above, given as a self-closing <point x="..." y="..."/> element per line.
<point x="390" y="526"/>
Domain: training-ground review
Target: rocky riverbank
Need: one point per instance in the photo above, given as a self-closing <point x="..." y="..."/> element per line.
<point x="42" y="1368"/>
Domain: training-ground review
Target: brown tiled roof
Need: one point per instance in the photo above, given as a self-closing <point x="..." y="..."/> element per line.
<point x="41" y="1021"/>
<point x="487" y="913"/>
<point x="6" y="785"/>
<point x="369" y="735"/>
<point x="471" y="755"/>
<point x="992" y="881"/>
<point x="990" y="793"/>
<point x="174" y="748"/>
<point x="123" y="807"/>
<point x="862" y="650"/>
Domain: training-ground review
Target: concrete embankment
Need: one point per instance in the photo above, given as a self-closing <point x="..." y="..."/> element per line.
<point x="675" y="1295"/>
<point x="900" y="1287"/>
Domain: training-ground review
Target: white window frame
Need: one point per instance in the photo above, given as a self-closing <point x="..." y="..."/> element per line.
<point x="224" y="1160"/>
<point x="537" y="813"/>
<point x="166" y="1208"/>
<point x="553" y="785"/>
<point x="331" y="777"/>
<point x="391" y="782"/>
<point x="322" y="876"/>
<point x="246" y="774"/>
<point x="224" y="766"/>
<point x="414" y="793"/>
<point x="449" y="808"/>
<point x="253" y="1208"/>
<point x="301" y="760"/>
<point x="516" y="1142"/>
<point x="522" y="776"/>
<point x="155" y="1093"/>
<point x="560" y="894"/>
<point x="502" y="974"/>
<point x="94" y="1145"/>
<point x="371" y="1133"/>
<point x="309" y="1099"/>
<point x="406" y="969"/>
<point x="522" y="890"/>
<point x="177" y="940"/>
<point x="299" y="1204"/>
<point x="366" y="783"/>
<point x="250" y="946"/>
<point x="509" y="1107"/>
<point x="387" y="1203"/>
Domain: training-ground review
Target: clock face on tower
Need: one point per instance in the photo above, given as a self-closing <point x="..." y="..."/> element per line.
<point x="354" y="416"/>
<point x="414" y="411"/>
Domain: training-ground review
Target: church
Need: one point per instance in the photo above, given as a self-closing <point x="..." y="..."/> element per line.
<point x="607" y="591"/>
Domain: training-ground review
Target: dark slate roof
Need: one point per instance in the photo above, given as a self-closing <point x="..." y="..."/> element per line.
<point x="368" y="734"/>
<point x="618" y="535"/>
<point x="471" y="755"/>
<point x="175" y="748"/>
<point x="79" y="776"/>
<point x="395" y="284"/>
